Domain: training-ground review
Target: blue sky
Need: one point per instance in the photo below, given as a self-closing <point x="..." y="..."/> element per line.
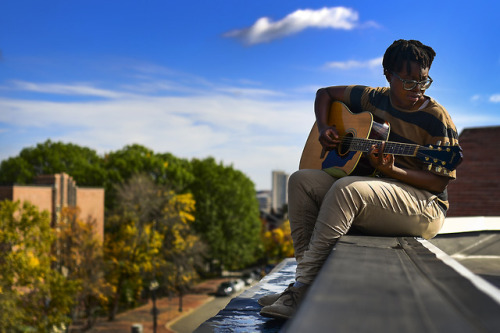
<point x="230" y="79"/>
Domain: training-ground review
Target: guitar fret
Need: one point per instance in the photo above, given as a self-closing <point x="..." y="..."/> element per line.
<point x="395" y="148"/>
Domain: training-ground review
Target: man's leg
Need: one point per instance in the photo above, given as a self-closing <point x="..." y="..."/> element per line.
<point x="306" y="189"/>
<point x="375" y="206"/>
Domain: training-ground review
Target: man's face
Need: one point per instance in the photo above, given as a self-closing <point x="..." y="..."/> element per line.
<point x="407" y="99"/>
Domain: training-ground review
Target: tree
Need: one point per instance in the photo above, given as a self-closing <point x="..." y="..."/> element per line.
<point x="149" y="238"/>
<point x="83" y="164"/>
<point x="278" y="242"/>
<point x="182" y="249"/>
<point x="81" y="257"/>
<point x="122" y="164"/>
<point x="131" y="252"/>
<point x="16" y="170"/>
<point x="33" y="295"/>
<point x="179" y="173"/>
<point x="227" y="213"/>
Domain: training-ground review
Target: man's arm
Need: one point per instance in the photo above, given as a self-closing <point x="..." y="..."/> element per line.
<point x="329" y="139"/>
<point x="328" y="135"/>
<point x="423" y="179"/>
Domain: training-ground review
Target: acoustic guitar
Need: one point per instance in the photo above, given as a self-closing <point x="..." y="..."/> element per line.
<point x="358" y="133"/>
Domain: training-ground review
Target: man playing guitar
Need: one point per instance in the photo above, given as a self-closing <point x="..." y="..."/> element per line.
<point x="404" y="197"/>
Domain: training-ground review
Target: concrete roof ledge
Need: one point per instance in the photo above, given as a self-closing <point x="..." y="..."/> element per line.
<point x="470" y="224"/>
<point x="374" y="284"/>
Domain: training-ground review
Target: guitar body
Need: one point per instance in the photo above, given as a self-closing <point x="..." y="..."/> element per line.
<point x="342" y="161"/>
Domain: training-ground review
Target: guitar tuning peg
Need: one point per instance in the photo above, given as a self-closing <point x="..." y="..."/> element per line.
<point x="429" y="167"/>
<point x="446" y="172"/>
<point x="438" y="169"/>
<point x="438" y="143"/>
<point x="447" y="143"/>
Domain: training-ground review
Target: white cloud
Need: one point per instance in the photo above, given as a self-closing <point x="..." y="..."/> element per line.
<point x="247" y="130"/>
<point x="476" y="98"/>
<point x="495" y="98"/>
<point x="265" y="30"/>
<point x="353" y="64"/>
<point x="64" y="89"/>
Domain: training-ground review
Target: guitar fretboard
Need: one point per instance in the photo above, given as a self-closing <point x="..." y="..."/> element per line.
<point x="395" y="148"/>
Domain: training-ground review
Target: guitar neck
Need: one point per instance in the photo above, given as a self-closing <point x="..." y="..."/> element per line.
<point x="395" y="148"/>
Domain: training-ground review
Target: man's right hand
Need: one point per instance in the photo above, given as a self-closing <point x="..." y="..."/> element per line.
<point x="329" y="138"/>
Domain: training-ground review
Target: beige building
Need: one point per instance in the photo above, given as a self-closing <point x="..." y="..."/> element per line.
<point x="54" y="192"/>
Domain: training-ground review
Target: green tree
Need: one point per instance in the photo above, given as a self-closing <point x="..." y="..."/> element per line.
<point x="179" y="173"/>
<point x="82" y="163"/>
<point x="122" y="164"/>
<point x="33" y="295"/>
<point x="227" y="213"/>
<point x="16" y="170"/>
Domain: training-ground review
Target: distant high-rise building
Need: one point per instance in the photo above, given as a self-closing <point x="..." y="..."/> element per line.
<point x="279" y="191"/>
<point x="264" y="198"/>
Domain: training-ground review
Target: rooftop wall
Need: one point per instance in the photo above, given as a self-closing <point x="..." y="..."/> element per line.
<point x="475" y="191"/>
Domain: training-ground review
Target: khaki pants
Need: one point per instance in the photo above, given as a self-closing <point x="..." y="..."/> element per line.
<point x="323" y="208"/>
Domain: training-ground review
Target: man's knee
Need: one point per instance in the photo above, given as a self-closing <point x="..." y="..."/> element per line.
<point x="350" y="183"/>
<point x="295" y="179"/>
<point x="306" y="178"/>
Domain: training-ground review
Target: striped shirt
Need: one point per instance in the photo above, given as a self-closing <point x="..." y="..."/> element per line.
<point x="427" y="126"/>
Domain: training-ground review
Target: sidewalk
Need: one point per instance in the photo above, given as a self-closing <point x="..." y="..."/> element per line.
<point x="168" y="311"/>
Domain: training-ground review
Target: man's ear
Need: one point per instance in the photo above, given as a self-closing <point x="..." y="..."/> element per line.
<point x="387" y="75"/>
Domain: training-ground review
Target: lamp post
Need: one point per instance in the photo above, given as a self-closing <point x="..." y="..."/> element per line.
<point x="153" y="287"/>
<point x="180" y="285"/>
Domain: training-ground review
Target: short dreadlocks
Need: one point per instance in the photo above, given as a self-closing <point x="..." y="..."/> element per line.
<point x="404" y="51"/>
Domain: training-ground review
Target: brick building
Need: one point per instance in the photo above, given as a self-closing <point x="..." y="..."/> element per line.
<point x="475" y="191"/>
<point x="54" y="192"/>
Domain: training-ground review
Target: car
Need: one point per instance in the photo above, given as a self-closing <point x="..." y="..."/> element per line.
<point x="225" y="289"/>
<point x="249" y="278"/>
<point x="228" y="288"/>
<point x="238" y="285"/>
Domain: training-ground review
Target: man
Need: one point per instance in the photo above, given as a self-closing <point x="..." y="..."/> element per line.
<point x="405" y="199"/>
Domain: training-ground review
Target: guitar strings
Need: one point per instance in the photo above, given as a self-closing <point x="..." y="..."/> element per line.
<point x="368" y="143"/>
<point x="397" y="148"/>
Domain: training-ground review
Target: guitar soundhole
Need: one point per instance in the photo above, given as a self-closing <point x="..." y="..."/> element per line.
<point x="345" y="145"/>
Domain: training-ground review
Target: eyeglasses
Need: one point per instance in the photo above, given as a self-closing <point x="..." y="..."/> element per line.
<point x="411" y="84"/>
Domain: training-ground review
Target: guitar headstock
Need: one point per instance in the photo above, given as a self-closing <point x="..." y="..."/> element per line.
<point x="444" y="158"/>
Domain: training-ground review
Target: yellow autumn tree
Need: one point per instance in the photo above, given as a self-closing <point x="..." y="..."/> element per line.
<point x="149" y="239"/>
<point x="132" y="251"/>
<point x="278" y="242"/>
<point x="34" y="297"/>
<point x="80" y="257"/>
<point x="182" y="248"/>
